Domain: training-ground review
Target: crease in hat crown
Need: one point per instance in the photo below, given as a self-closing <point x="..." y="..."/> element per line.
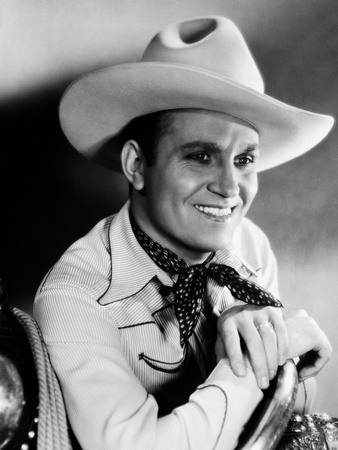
<point x="212" y="43"/>
<point x="201" y="63"/>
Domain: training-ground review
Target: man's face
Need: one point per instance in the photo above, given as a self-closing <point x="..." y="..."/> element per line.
<point x="201" y="185"/>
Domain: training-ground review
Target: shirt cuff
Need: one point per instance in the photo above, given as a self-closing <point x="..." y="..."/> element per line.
<point x="242" y="396"/>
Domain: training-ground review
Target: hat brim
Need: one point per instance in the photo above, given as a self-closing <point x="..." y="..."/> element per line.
<point x="95" y="109"/>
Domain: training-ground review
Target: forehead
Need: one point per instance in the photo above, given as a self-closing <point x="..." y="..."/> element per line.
<point x="210" y="126"/>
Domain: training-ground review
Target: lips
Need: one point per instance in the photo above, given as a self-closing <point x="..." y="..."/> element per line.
<point x="216" y="212"/>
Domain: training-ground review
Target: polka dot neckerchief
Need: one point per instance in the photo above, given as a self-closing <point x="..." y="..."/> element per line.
<point x="191" y="283"/>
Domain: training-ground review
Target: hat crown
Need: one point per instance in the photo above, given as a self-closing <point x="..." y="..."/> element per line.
<point x="212" y="43"/>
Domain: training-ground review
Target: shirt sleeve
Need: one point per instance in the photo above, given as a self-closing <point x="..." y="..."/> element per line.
<point x="106" y="403"/>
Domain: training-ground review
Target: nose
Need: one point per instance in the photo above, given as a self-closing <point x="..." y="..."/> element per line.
<point x="225" y="182"/>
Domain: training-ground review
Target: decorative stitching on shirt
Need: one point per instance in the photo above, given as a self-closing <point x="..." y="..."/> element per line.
<point x="136" y="325"/>
<point x="225" y="411"/>
<point x="124" y="298"/>
<point x="151" y="363"/>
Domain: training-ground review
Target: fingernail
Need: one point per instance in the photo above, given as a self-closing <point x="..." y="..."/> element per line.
<point x="272" y="374"/>
<point x="282" y="360"/>
<point x="264" y="383"/>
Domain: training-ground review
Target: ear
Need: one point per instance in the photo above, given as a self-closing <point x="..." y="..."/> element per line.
<point x="133" y="164"/>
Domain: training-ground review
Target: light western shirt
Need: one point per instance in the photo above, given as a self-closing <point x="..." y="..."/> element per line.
<point x="113" y="340"/>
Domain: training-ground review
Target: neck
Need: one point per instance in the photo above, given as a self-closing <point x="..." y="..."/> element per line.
<point x="190" y="256"/>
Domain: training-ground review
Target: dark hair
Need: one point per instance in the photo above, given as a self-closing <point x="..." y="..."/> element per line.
<point x="147" y="131"/>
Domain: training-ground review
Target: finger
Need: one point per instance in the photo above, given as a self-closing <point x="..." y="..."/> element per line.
<point x="256" y="353"/>
<point x="232" y="345"/>
<point x="281" y="333"/>
<point x="219" y="349"/>
<point x="312" y="362"/>
<point x="269" y="340"/>
<point x="309" y="371"/>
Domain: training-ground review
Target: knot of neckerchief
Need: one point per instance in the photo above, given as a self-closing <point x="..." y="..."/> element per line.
<point x="190" y="286"/>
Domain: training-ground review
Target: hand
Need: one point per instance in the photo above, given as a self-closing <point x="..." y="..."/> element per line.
<point x="265" y="347"/>
<point x="307" y="341"/>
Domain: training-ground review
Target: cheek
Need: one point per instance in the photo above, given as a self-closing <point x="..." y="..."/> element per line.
<point x="169" y="190"/>
<point x="250" y="188"/>
<point x="175" y="190"/>
<point x="161" y="195"/>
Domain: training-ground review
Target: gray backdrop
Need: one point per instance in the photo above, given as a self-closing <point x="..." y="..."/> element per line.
<point x="51" y="195"/>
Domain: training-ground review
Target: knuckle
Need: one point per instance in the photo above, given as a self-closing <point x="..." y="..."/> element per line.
<point x="329" y="349"/>
<point x="244" y="314"/>
<point x="276" y="314"/>
<point x="313" y="323"/>
<point x="244" y="319"/>
<point x="302" y="313"/>
<point x="225" y="326"/>
<point x="222" y="320"/>
<point x="267" y="330"/>
<point x="328" y="356"/>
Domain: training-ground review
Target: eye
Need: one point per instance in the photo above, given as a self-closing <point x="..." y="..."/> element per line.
<point x="244" y="160"/>
<point x="201" y="157"/>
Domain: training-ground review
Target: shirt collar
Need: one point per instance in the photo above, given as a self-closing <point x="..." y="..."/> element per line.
<point x="229" y="257"/>
<point x="132" y="268"/>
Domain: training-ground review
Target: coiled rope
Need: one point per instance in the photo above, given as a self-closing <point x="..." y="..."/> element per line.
<point x="52" y="423"/>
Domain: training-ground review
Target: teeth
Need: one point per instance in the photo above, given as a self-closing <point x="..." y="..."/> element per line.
<point x="220" y="212"/>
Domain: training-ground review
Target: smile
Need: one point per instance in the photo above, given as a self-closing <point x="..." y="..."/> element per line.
<point x="215" y="212"/>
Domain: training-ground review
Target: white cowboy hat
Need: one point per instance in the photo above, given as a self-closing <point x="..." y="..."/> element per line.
<point x="200" y="63"/>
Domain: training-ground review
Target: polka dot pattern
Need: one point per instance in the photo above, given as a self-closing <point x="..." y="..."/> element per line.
<point x="190" y="286"/>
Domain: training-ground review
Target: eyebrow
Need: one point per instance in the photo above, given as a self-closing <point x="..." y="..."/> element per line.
<point x="213" y="147"/>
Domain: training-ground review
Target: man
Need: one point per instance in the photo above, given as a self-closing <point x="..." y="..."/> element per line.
<point x="145" y="318"/>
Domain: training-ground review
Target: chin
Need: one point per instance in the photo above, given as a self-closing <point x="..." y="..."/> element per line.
<point x="219" y="241"/>
<point x="213" y="246"/>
